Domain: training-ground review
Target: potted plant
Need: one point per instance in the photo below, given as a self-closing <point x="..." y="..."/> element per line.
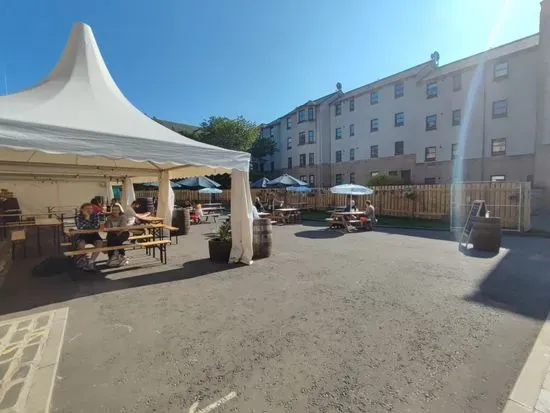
<point x="219" y="246"/>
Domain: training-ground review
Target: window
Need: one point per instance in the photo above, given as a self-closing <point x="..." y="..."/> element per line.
<point x="352" y="154"/>
<point x="457" y="82"/>
<point x="312" y="180"/>
<point x="289" y="143"/>
<point x="352" y="130"/>
<point x="374" y="97"/>
<point x="338" y="156"/>
<point x="301" y="115"/>
<point x="454" y="151"/>
<point x="498" y="178"/>
<point x="272" y="166"/>
<point x="431" y="90"/>
<point x="302" y="138"/>
<point x="303" y="178"/>
<point x="289" y="123"/>
<point x="430" y="155"/>
<point x="406" y="175"/>
<point x="498" y="147"/>
<point x="374" y="173"/>
<point x="311" y="158"/>
<point x="271" y="132"/>
<point x="429" y="181"/>
<point x="352" y="177"/>
<point x="310" y="136"/>
<point x="338" y="133"/>
<point x="456" y="117"/>
<point x="339" y="180"/>
<point x="398" y="90"/>
<point x="431" y="122"/>
<point x="399" y="148"/>
<point x="265" y="132"/>
<point x="392" y="173"/>
<point x="374" y="151"/>
<point x="500" y="70"/>
<point x="399" y="119"/>
<point x="289" y="163"/>
<point x="302" y="161"/>
<point x="338" y="109"/>
<point x="374" y="125"/>
<point x="351" y="105"/>
<point x="500" y="108"/>
<point x="310" y="113"/>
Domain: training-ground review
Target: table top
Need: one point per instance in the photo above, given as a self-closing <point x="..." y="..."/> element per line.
<point x="349" y="213"/>
<point x="286" y="209"/>
<point x="39" y="222"/>
<point x="263" y="214"/>
<point x="150" y="219"/>
<point x="73" y="231"/>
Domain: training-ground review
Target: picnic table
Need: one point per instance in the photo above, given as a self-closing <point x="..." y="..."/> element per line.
<point x="284" y="214"/>
<point x="152" y="220"/>
<point x="341" y="218"/>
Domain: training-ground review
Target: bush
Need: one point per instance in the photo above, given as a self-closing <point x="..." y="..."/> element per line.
<point x="381" y="180"/>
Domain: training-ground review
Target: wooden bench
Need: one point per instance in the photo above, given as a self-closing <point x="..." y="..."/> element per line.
<point x="160" y="244"/>
<point x="132" y="238"/>
<point x="214" y="216"/>
<point x="18" y="237"/>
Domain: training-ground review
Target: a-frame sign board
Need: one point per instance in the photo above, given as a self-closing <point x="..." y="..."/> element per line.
<point x="478" y="210"/>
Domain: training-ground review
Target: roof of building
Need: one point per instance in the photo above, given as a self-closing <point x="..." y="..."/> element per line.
<point x="490" y="54"/>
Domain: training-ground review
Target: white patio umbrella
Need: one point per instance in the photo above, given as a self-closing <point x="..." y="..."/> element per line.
<point x="351" y="189"/>
<point x="210" y="191"/>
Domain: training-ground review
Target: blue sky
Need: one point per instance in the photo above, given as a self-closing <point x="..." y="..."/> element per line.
<point x="186" y="60"/>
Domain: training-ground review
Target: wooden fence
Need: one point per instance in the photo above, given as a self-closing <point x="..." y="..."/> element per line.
<point x="510" y="201"/>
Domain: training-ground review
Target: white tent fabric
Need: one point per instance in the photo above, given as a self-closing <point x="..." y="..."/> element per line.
<point x="108" y="191"/>
<point x="166" y="199"/>
<point x="77" y="124"/>
<point x="241" y="206"/>
<point x="128" y="194"/>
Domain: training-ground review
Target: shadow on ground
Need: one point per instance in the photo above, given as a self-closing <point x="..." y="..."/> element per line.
<point x="21" y="291"/>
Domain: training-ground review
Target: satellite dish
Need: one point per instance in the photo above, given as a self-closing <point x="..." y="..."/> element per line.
<point x="435" y="57"/>
<point x="339" y="87"/>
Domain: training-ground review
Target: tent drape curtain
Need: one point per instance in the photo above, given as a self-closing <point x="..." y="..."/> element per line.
<point x="241" y="218"/>
<point x="128" y="195"/>
<point x="165" y="199"/>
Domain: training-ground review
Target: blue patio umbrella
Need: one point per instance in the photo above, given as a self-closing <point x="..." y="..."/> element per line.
<point x="285" y="180"/>
<point x="303" y="189"/>
<point x="174" y="185"/>
<point x="198" y="182"/>
<point x="260" y="183"/>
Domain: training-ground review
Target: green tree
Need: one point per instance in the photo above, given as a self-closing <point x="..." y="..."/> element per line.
<point x="262" y="147"/>
<point x="236" y="134"/>
<point x="381" y="180"/>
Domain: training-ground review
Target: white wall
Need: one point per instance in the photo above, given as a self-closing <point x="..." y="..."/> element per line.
<point x="35" y="197"/>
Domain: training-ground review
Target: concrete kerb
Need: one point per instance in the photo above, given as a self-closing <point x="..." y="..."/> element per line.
<point x="531" y="392"/>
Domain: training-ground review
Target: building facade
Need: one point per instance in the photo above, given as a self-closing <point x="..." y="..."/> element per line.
<point x="482" y="118"/>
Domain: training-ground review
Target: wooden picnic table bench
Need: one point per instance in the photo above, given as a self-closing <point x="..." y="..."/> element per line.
<point x="160" y="244"/>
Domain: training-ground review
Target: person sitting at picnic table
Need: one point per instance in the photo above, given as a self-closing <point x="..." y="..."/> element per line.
<point x="350" y="207"/>
<point x="369" y="218"/>
<point x="133" y="216"/>
<point x="87" y="220"/>
<point x="258" y="205"/>
<point x="117" y="219"/>
<point x="96" y="206"/>
<point x="114" y="201"/>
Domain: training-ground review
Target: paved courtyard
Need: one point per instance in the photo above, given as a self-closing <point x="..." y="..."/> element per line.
<point x="391" y="320"/>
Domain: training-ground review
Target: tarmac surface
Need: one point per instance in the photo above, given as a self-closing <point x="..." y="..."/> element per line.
<point x="384" y="321"/>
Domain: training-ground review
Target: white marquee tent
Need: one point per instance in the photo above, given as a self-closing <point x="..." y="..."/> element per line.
<point x="77" y="126"/>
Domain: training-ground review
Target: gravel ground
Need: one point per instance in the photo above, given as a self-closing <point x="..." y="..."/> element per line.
<point x="388" y="321"/>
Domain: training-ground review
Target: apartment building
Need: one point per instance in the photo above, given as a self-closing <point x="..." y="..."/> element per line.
<point x="482" y="118"/>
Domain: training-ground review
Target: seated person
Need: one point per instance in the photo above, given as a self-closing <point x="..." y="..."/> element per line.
<point x="369" y="218"/>
<point x="350" y="208"/>
<point x="133" y="218"/>
<point x="258" y="205"/>
<point x="96" y="206"/>
<point x="117" y="219"/>
<point x="87" y="219"/>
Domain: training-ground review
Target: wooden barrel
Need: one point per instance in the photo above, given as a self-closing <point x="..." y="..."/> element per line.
<point x="486" y="234"/>
<point x="181" y="218"/>
<point x="262" y="237"/>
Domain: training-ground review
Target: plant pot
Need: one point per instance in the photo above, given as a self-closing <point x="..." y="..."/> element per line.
<point x="219" y="250"/>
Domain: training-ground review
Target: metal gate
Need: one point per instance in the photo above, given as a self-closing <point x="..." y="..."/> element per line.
<point x="503" y="199"/>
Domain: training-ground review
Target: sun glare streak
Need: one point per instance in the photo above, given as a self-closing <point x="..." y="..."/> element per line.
<point x="475" y="92"/>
